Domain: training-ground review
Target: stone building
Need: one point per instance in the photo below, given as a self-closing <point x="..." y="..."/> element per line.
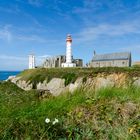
<point x="122" y="59"/>
<point x="78" y="62"/>
<point x="53" y="62"/>
<point x="56" y="61"/>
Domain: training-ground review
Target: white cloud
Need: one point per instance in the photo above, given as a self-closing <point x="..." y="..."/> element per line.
<point x="44" y="56"/>
<point x="31" y="38"/>
<point x="36" y="3"/>
<point x="14" y="9"/>
<point x="134" y="48"/>
<point x="10" y="33"/>
<point x="13" y="58"/>
<point x="93" y="32"/>
<point x="5" y="33"/>
<point x="8" y="62"/>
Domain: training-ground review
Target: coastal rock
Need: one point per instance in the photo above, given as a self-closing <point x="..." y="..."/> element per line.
<point x="78" y="83"/>
<point x="56" y="86"/>
<point x="72" y="87"/>
<point x="15" y="80"/>
<point x="25" y="85"/>
<point x="103" y="82"/>
<point x="90" y="83"/>
<point x="136" y="81"/>
<point x="120" y="80"/>
<point x="21" y="83"/>
<point x="42" y="86"/>
<point x="11" y="78"/>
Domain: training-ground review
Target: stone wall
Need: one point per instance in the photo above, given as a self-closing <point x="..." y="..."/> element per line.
<point x="110" y="63"/>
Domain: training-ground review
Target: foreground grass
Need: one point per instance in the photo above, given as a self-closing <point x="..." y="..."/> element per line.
<point x="110" y="113"/>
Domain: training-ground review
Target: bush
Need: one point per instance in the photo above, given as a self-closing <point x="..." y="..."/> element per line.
<point x="69" y="78"/>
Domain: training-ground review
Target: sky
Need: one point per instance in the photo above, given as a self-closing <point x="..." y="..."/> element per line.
<point x="40" y="27"/>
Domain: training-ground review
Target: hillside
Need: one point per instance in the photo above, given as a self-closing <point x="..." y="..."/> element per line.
<point x="41" y="74"/>
<point x="57" y="80"/>
<point x="104" y="103"/>
<point x="110" y="113"/>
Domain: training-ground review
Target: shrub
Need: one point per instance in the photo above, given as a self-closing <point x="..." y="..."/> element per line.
<point x="69" y="78"/>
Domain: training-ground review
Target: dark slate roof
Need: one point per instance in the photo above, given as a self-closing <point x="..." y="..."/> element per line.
<point x="112" y="56"/>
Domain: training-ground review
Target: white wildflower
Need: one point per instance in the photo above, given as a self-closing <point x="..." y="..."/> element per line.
<point x="55" y="121"/>
<point x="47" y="120"/>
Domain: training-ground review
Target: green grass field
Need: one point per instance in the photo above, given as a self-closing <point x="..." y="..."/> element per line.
<point x="107" y="114"/>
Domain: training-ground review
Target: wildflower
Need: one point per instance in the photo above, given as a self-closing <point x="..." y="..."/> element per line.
<point x="47" y="120"/>
<point x="55" y="121"/>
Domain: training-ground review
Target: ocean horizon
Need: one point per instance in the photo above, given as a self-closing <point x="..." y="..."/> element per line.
<point x="5" y="74"/>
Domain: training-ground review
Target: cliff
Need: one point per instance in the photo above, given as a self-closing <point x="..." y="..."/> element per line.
<point x="56" y="81"/>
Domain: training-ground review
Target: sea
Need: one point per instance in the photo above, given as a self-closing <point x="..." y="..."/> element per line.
<point x="5" y="74"/>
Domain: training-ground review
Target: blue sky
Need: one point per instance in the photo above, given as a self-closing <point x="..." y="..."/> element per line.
<point x="41" y="26"/>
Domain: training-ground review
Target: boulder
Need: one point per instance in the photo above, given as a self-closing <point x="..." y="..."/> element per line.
<point x="78" y="83"/>
<point x="42" y="86"/>
<point x="102" y="82"/>
<point x="21" y="83"/>
<point x="136" y="81"/>
<point x="56" y="86"/>
<point x="24" y="85"/>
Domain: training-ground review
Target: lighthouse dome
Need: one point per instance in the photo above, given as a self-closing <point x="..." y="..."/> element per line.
<point x="69" y="39"/>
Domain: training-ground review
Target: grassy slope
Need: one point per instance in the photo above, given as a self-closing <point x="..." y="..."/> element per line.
<point x="110" y="113"/>
<point x="70" y="74"/>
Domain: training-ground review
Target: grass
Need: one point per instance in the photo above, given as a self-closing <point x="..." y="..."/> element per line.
<point x="120" y="93"/>
<point x="110" y="113"/>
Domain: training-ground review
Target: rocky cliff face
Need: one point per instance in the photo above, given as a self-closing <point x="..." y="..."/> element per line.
<point x="57" y="85"/>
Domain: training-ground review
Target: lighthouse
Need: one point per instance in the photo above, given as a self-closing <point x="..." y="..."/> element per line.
<point x="68" y="53"/>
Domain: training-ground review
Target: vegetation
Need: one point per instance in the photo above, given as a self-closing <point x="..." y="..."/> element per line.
<point x="71" y="74"/>
<point x="69" y="78"/>
<point x="111" y="113"/>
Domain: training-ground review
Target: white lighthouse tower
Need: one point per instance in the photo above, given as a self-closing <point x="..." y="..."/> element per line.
<point x="31" y="61"/>
<point x="68" y="53"/>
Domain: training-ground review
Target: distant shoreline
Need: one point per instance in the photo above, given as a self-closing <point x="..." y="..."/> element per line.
<point x="9" y="71"/>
